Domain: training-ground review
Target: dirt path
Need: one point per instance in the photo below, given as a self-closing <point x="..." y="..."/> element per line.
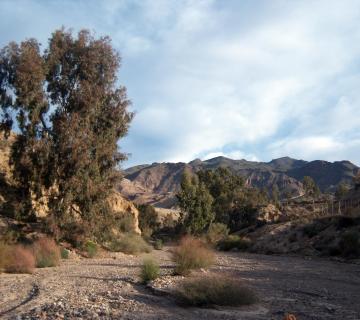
<point x="110" y="289"/>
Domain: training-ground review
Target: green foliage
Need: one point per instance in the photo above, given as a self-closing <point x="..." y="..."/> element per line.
<point x="216" y="233"/>
<point x="130" y="244"/>
<point x="214" y="290"/>
<point x="150" y="270"/>
<point x="125" y="223"/>
<point x="70" y="115"/>
<point x="350" y="243"/>
<point x="64" y="253"/>
<point x="341" y="190"/>
<point x="275" y="194"/>
<point x="191" y="254"/>
<point x="226" y="189"/>
<point x="158" y="245"/>
<point x="91" y="248"/>
<point x="310" y="186"/>
<point x="195" y="203"/>
<point x="234" y="242"/>
<point x="148" y="217"/>
<point x="47" y="253"/>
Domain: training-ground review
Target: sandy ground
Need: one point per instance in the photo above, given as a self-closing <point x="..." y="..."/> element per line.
<point x="109" y="288"/>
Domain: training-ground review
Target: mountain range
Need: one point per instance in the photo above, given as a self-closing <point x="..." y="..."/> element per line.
<point x="158" y="183"/>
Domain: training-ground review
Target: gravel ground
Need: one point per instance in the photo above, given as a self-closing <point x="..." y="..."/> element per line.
<point x="109" y="288"/>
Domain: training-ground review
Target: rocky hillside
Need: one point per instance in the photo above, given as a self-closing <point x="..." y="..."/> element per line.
<point x="10" y="200"/>
<point x="157" y="183"/>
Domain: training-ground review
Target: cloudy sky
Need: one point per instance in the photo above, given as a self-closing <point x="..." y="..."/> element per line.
<point x="241" y="78"/>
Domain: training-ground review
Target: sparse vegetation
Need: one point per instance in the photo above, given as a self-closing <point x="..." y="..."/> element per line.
<point x="17" y="259"/>
<point x="214" y="290"/>
<point x="350" y="243"/>
<point x="150" y="270"/>
<point x="64" y="253"/>
<point x="158" y="244"/>
<point x="46" y="252"/>
<point x="130" y="244"/>
<point x="148" y="219"/>
<point x="234" y="242"/>
<point x="91" y="248"/>
<point x="216" y="233"/>
<point x="192" y="254"/>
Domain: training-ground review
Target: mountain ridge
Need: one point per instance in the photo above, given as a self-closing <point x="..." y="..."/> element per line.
<point x="158" y="183"/>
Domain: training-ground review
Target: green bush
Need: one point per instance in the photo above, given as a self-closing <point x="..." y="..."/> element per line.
<point x="91" y="248"/>
<point x="158" y="245"/>
<point x="64" y="253"/>
<point x="130" y="244"/>
<point x="149" y="271"/>
<point x="350" y="243"/>
<point x="234" y="242"/>
<point x="46" y="252"/>
<point x="216" y="233"/>
<point x="192" y="254"/>
<point x="213" y="290"/>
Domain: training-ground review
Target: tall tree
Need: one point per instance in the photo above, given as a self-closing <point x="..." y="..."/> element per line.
<point x="195" y="203"/>
<point x="70" y="112"/>
<point x="310" y="186"/>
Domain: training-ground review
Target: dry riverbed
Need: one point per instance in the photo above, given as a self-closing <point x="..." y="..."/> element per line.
<point x="109" y="288"/>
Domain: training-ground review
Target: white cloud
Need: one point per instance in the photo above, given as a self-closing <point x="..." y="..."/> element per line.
<point x="271" y="79"/>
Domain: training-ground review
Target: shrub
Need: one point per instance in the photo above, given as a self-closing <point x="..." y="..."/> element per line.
<point x="46" y="252"/>
<point x="126" y="223"/>
<point x="3" y="255"/>
<point x="217" y="232"/>
<point x="17" y="259"/>
<point x="158" y="245"/>
<point x="234" y="242"/>
<point x="91" y="248"/>
<point x="64" y="253"/>
<point x="350" y="243"/>
<point x="192" y="254"/>
<point x="214" y="290"/>
<point x="149" y="271"/>
<point x="130" y="244"/>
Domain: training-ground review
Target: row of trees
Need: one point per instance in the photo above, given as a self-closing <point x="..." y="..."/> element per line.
<point x="217" y="196"/>
<point x="69" y="113"/>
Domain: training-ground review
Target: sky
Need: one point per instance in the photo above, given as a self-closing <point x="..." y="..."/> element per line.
<point x="252" y="79"/>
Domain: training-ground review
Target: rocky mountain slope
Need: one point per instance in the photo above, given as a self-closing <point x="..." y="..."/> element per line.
<point x="157" y="183"/>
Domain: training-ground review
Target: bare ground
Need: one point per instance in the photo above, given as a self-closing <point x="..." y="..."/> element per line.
<point x="109" y="288"/>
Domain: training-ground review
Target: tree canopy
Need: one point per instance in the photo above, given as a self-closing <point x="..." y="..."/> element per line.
<point x="69" y="113"/>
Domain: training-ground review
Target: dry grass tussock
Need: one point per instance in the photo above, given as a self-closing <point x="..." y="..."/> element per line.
<point x="16" y="259"/>
<point x="47" y="253"/>
<point x="130" y="243"/>
<point x="212" y="290"/>
<point x="150" y="270"/>
<point x="190" y="254"/>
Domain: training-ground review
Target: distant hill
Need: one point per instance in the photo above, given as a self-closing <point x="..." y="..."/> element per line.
<point x="157" y="183"/>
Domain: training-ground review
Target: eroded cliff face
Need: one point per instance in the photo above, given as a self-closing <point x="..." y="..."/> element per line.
<point x="9" y="197"/>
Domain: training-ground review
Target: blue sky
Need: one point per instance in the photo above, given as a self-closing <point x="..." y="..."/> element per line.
<point x="244" y="79"/>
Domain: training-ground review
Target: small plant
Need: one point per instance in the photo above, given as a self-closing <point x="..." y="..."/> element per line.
<point x="64" y="253"/>
<point x="214" y="290"/>
<point x="17" y="259"/>
<point x="192" y="254"/>
<point x="149" y="271"/>
<point x="130" y="244"/>
<point x="158" y="245"/>
<point x="46" y="252"/>
<point x="350" y="243"/>
<point x="217" y="232"/>
<point x="234" y="242"/>
<point x="91" y="248"/>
